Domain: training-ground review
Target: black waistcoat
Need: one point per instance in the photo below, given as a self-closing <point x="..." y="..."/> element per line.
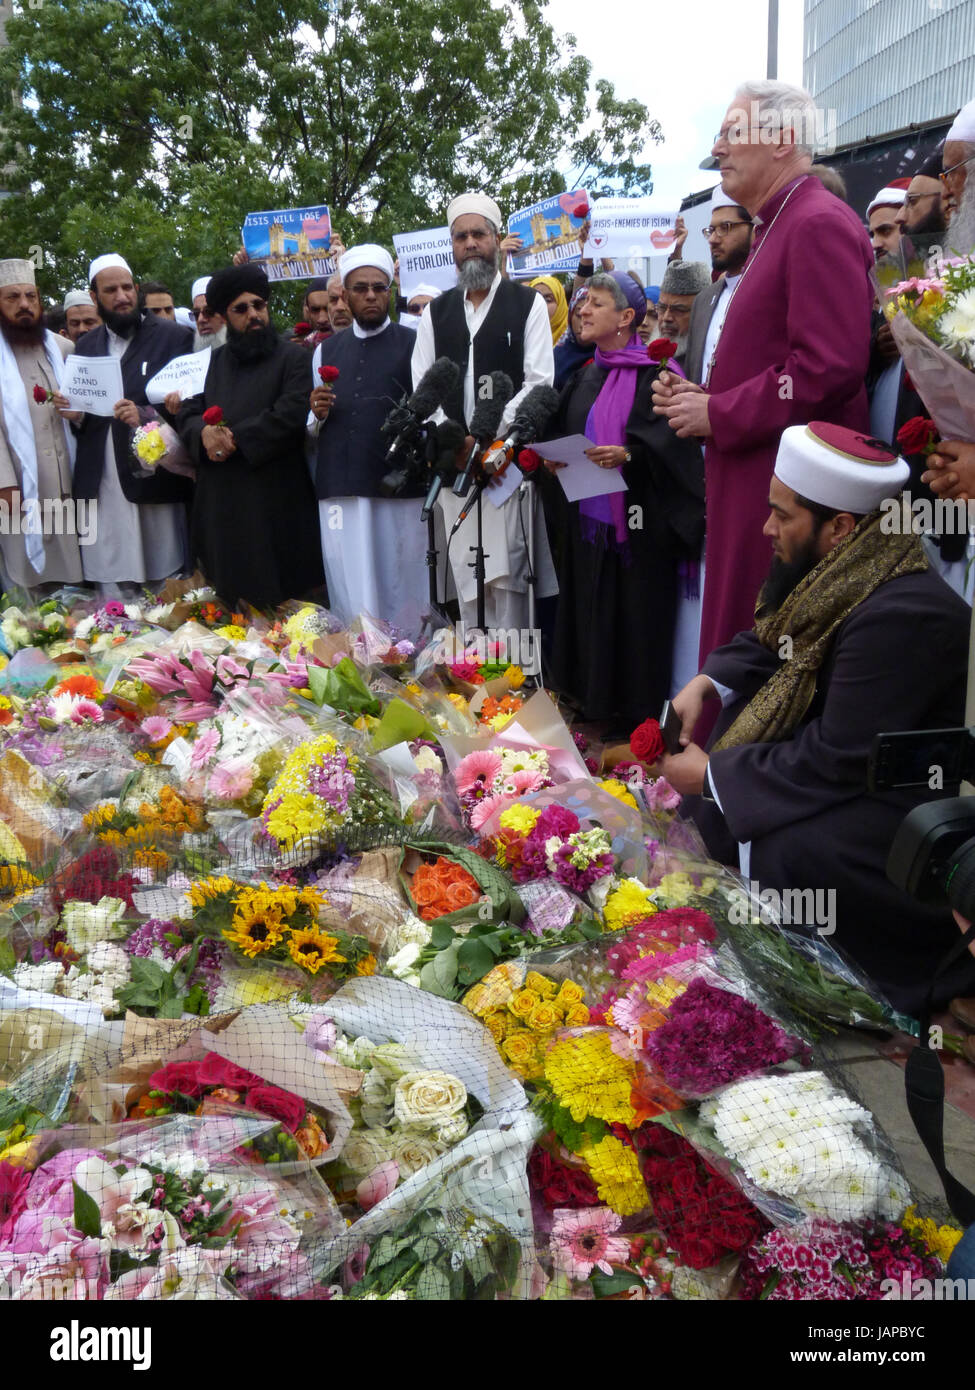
<point x="499" y="344"/>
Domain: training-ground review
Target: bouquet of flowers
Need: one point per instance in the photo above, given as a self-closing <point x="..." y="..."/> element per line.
<point x="157" y="445"/>
<point x="823" y="1259"/>
<point x="522" y="1009"/>
<point x="322" y="789"/>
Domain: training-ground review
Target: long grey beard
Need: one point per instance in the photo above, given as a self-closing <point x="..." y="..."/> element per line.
<point x="205" y="340"/>
<point x="476" y="274"/>
<point x="960" y="236"/>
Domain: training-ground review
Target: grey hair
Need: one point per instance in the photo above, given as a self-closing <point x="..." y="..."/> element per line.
<point x="603" y="281"/>
<point x="794" y="110"/>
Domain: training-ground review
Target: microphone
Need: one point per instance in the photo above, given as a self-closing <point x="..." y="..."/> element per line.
<point x="448" y="440"/>
<point x="404" y="422"/>
<point x="484" y="425"/>
<point x="533" y="415"/>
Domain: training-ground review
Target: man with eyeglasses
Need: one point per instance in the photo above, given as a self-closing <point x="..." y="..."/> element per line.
<point x="959" y="181"/>
<point x="682" y="282"/>
<point x="794" y="343"/>
<point x="211" y="329"/>
<point x="921" y="218"/>
<point x="373" y="545"/>
<point x="253" y="528"/>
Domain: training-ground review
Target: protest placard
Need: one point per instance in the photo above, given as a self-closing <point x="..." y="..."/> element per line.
<point x="425" y="258"/>
<point x="623" y="228"/>
<point x="183" y="374"/>
<point x="290" y="243"/>
<point x="93" y="384"/>
<point x="549" y="233"/>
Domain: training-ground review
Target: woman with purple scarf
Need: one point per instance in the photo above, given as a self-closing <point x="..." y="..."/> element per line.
<point x="625" y="553"/>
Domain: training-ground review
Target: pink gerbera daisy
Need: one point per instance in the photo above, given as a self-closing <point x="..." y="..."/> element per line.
<point x="87" y="709"/>
<point x="482" y="811"/>
<point x="156" y="728"/>
<point x="583" y="1241"/>
<point x="477" y="771"/>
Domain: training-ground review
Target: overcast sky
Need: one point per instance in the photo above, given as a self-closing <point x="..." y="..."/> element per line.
<point x="683" y="59"/>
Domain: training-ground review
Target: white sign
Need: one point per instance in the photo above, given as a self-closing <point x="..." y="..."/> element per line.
<point x="183" y="374"/>
<point x="425" y="258"/>
<point x="622" y="228"/>
<point x="93" y="384"/>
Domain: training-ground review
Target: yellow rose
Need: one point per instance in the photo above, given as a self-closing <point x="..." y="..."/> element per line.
<point x="497" y="1026"/>
<point x="576" y="1016"/>
<point x="569" y="993"/>
<point x="519" y="1048"/>
<point x="494" y="991"/>
<point x="543" y="987"/>
<point x="522" y="1003"/>
<point x="544" y="1018"/>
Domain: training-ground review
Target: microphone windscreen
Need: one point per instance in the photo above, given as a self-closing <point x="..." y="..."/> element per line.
<point x="433" y="387"/>
<point x="486" y="419"/>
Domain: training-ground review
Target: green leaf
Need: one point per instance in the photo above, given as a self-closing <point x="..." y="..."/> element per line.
<point x="474" y="960"/>
<point x="441" y="935"/>
<point x="433" y="1284"/>
<point x="87" y="1218"/>
<point x="383" y="1251"/>
<point x="606" y="1284"/>
<point x="426" y="1248"/>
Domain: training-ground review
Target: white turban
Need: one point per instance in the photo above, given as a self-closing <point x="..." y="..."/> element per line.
<point x="477" y="203"/>
<point x="963" y="127"/>
<point x="721" y="199"/>
<point x="888" y="198"/>
<point x="200" y="286"/>
<point x="366" y="254"/>
<point x="431" y="290"/>
<point x="17" y="273"/>
<point x="184" y="317"/>
<point x="75" y="299"/>
<point x="838" y="467"/>
<point x="104" y="262"/>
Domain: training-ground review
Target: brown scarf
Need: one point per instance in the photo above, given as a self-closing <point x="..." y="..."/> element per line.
<point x="808" y="619"/>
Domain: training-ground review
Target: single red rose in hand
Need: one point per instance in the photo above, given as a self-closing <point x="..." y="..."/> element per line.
<point x="302" y="329"/>
<point x="529" y="460"/>
<point x="647" y="742"/>
<point x="328" y="373"/>
<point x="917" y="434"/>
<point x="660" y="349"/>
<point x="213" y="416"/>
<point x="41" y="396"/>
<point x="581" y="210"/>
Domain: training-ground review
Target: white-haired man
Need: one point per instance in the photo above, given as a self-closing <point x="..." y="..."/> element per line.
<point x="488" y="324"/>
<point x="794" y="343"/>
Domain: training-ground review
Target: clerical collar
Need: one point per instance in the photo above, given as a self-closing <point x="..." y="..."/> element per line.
<point x="370" y="332"/>
<point x="770" y="208"/>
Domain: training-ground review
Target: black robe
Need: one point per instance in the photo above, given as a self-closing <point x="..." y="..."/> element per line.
<point x="898" y="662"/>
<point x="614" y="625"/>
<point x="254" y="526"/>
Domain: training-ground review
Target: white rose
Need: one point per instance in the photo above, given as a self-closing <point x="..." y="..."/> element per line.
<point x="88" y="923"/>
<point x="402" y="964"/>
<point x="412" y="931"/>
<point x="428" y="1098"/>
<point x="109" y="956"/>
<point x="451" y="1131"/>
<point x="52" y="622"/>
<point x="365" y="1149"/>
<point x="413" y="1151"/>
<point x="44" y="977"/>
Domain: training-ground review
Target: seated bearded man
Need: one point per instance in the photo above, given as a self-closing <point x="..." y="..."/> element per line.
<point x="854" y="636"/>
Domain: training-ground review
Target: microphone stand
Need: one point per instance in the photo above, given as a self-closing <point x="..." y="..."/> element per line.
<point x="478" y="562"/>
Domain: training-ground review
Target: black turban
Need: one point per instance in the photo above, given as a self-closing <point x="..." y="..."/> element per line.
<point x="227" y="285"/>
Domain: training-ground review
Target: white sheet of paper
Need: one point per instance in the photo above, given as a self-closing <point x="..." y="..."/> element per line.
<point x="184" y="374"/>
<point x="510" y="481"/>
<point x="93" y="384"/>
<point x="581" y="478"/>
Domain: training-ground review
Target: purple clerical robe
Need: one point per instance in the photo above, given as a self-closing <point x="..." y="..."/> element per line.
<point x="793" y="348"/>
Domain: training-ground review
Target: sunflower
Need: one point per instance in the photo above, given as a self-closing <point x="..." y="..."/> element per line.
<point x="255" y="932"/>
<point x="367" y="966"/>
<point x="312" y="949"/>
<point x="209" y="888"/>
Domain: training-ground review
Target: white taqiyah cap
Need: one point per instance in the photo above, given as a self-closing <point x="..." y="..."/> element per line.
<point x="76" y="299"/>
<point x="101" y="263"/>
<point x="366" y="254"/>
<point x="477" y="203"/>
<point x="838" y="467"/>
<point x="200" y="286"/>
<point x="16" y="272"/>
<point x="888" y="198"/>
<point x="963" y="126"/>
<point x="430" y="290"/>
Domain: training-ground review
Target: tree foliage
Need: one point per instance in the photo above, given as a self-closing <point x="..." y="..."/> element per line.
<point x="152" y="128"/>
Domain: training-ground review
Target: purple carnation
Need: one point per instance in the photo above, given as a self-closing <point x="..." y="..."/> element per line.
<point x="579" y="880"/>
<point x="556" y="820"/>
<point x="150" y="935"/>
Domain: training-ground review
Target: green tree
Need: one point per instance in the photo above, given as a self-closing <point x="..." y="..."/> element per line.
<point x="152" y="128"/>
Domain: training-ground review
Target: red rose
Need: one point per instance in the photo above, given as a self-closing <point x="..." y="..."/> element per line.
<point x="664" y="1207"/>
<point x="581" y="211"/>
<point x="328" y="373"/>
<point x="213" y="416"/>
<point x="699" y="1254"/>
<point x="647" y="742"/>
<point x="301" y="330"/>
<point x="178" y="1076"/>
<point x="660" y="349"/>
<point x="215" y="1070"/>
<point x="683" y="1181"/>
<point x="916" y="434"/>
<point x="283" y="1106"/>
<point x="735" y="1235"/>
<point x="40" y="395"/>
<point x="528" y="460"/>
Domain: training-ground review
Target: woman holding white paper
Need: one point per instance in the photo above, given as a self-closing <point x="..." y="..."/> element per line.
<point x="621" y="554"/>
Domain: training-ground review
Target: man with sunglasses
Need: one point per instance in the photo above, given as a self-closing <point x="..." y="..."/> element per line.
<point x="373" y="545"/>
<point x="211" y="329"/>
<point x="253" y="527"/>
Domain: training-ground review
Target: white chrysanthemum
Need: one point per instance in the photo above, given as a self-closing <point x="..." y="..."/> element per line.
<point x="83" y="629"/>
<point x="46" y="976"/>
<point x="109" y="957"/>
<point x="957" y="325"/>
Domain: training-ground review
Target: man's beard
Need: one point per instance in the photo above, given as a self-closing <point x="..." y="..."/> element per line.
<point x="476" y="274"/>
<point x="124" y="325"/>
<point x="21" y="333"/>
<point x="254" y="344"/>
<point x="934" y="221"/>
<point x="205" y="340"/>
<point x="961" y="229"/>
<point x="784" y="575"/>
